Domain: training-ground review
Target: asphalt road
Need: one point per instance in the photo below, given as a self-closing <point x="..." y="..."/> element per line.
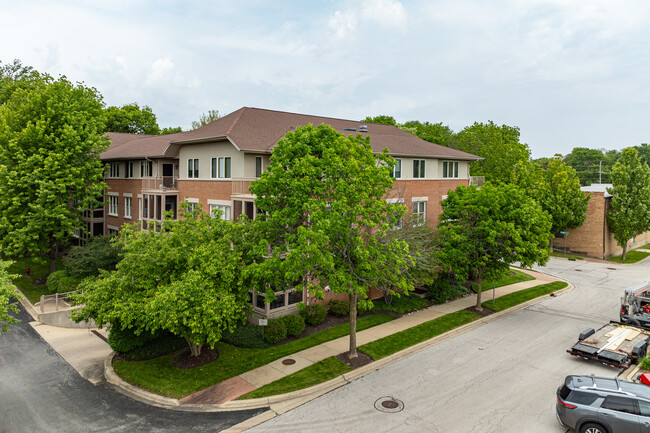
<point x="40" y="392"/>
<point x="498" y="378"/>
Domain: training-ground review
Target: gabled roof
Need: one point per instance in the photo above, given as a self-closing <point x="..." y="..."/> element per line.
<point x="257" y="130"/>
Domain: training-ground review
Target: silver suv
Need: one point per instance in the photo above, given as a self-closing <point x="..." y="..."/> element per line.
<point x="590" y="404"/>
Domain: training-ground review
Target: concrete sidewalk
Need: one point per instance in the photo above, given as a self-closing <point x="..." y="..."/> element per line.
<point x="253" y="379"/>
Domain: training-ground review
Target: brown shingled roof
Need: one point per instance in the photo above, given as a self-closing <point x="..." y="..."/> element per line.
<point x="258" y="130"/>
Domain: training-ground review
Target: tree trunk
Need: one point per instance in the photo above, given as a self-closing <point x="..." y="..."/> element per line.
<point x="624" y="251"/>
<point x="195" y="349"/>
<point x="52" y="254"/>
<point x="353" y="326"/>
<point x="479" y="307"/>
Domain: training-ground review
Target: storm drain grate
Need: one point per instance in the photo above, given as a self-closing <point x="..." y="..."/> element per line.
<point x="288" y="361"/>
<point x="389" y="404"/>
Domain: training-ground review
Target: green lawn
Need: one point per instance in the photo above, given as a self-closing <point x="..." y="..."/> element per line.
<point x="630" y="257"/>
<point x="412" y="336"/>
<point x="403" y="304"/>
<point x="522" y="296"/>
<point x="320" y="372"/>
<point x="518" y="277"/>
<point x="26" y="284"/>
<point x="160" y="376"/>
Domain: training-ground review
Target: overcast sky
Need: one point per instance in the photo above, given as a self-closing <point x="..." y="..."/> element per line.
<point x="567" y="72"/>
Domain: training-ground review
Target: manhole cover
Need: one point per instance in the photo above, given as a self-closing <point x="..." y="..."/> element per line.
<point x="389" y="404"/>
<point x="288" y="361"/>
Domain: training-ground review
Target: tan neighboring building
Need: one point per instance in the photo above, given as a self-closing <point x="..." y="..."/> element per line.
<point x="214" y="165"/>
<point x="593" y="238"/>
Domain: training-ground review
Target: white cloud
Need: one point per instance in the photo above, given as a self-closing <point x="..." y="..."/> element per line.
<point x="343" y="23"/>
<point x="388" y="13"/>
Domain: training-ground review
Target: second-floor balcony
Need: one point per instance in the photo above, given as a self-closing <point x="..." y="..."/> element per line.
<point x="160" y="183"/>
<point x="240" y="185"/>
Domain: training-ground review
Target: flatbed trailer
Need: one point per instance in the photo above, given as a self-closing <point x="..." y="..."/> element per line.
<point x="614" y="345"/>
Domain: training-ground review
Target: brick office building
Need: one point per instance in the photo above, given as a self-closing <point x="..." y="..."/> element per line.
<point x="214" y="165"/>
<point x="593" y="238"/>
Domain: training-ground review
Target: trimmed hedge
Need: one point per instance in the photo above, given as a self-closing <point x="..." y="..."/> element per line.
<point x="295" y="324"/>
<point x="313" y="314"/>
<point x="339" y="308"/>
<point x="276" y="331"/>
<point x="61" y="282"/>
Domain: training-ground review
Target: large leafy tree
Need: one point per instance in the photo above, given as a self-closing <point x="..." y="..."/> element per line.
<point x="131" y="119"/>
<point x="432" y="132"/>
<point x="484" y="230"/>
<point x="205" y="118"/>
<point x="629" y="212"/>
<point x="8" y="296"/>
<point x="498" y="145"/>
<point x="50" y="141"/>
<point x="591" y="165"/>
<point x="556" y="188"/>
<point x="184" y="277"/>
<point x="382" y="118"/>
<point x="325" y="216"/>
<point x="14" y="76"/>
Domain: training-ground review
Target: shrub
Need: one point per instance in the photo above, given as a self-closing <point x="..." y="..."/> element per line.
<point x="644" y="363"/>
<point x="276" y="331"/>
<point x="247" y="335"/>
<point x="365" y="306"/>
<point x="339" y="308"/>
<point x="295" y="324"/>
<point x="442" y="290"/>
<point x="314" y="314"/>
<point x="401" y="305"/>
<point x="60" y="282"/>
<point x="160" y="345"/>
<point x="125" y="340"/>
<point x="98" y="253"/>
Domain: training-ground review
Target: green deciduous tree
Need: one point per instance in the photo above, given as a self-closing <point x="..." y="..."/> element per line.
<point x="557" y="189"/>
<point x="432" y="132"/>
<point x="629" y="212"/>
<point x="184" y="277"/>
<point x="499" y="145"/>
<point x="99" y="252"/>
<point x="591" y="165"/>
<point x="325" y="216"/>
<point x="8" y="296"/>
<point x="205" y="118"/>
<point x="484" y="230"/>
<point x="382" y="118"/>
<point x="131" y="119"/>
<point x="50" y="141"/>
<point x="15" y="76"/>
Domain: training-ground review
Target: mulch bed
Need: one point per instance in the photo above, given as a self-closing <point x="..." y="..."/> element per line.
<point x="185" y="360"/>
<point x="361" y="360"/>
<point x="484" y="312"/>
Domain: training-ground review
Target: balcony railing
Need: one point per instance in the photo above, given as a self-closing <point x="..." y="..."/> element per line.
<point x="240" y="185"/>
<point x="477" y="180"/>
<point x="160" y="183"/>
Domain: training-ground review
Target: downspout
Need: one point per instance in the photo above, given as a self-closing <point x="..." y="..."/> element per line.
<point x="604" y="224"/>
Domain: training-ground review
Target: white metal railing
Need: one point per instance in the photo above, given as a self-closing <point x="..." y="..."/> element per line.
<point x="477" y="180"/>
<point x="160" y="183"/>
<point x="240" y="185"/>
<point x="61" y="301"/>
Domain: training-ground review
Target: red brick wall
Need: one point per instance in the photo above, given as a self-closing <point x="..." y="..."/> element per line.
<point x="133" y="186"/>
<point x="433" y="189"/>
<point x="593" y="238"/>
<point x="204" y="190"/>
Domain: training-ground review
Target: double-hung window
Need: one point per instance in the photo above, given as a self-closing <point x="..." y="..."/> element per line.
<point x="418" y="168"/>
<point x="397" y="169"/>
<point x="449" y="169"/>
<point x="127" y="207"/>
<point x="225" y="211"/>
<point x="221" y="167"/>
<point x="112" y="204"/>
<point x="258" y="166"/>
<point x="129" y="169"/>
<point x="420" y="212"/>
<point x="146" y="168"/>
<point x="114" y="169"/>
<point x="193" y="168"/>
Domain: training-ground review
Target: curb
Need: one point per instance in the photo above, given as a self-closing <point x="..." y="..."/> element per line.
<point x="29" y="307"/>
<point x="282" y="403"/>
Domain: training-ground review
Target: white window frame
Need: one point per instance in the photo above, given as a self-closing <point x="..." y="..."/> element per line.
<point x="259" y="166"/>
<point x="419" y="213"/>
<point x="446" y="165"/>
<point x="225" y="169"/>
<point x="193" y="168"/>
<point x="113" y="204"/>
<point x="128" y="172"/>
<point x="139" y="206"/>
<point x="146" y="168"/>
<point x="113" y="170"/>
<point x="192" y="203"/>
<point x="225" y="211"/>
<point x="419" y="168"/>
<point x="128" y="203"/>
<point x="397" y="169"/>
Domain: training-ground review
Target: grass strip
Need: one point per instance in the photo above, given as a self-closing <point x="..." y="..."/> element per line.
<point x="522" y="296"/>
<point x="565" y="256"/>
<point x="160" y="376"/>
<point x="320" y="372"/>
<point x="394" y="343"/>
<point x="630" y="257"/>
<point x="518" y="277"/>
<point x="403" y="304"/>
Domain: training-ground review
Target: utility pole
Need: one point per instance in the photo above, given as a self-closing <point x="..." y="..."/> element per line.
<point x="600" y="172"/>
